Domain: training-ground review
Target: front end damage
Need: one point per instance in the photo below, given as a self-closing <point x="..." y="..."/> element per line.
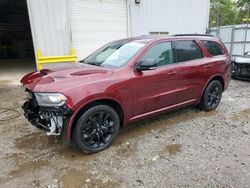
<point x="241" y="70"/>
<point x="52" y="120"/>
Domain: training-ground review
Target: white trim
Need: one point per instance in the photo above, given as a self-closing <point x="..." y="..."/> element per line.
<point x="32" y="28"/>
<point x="69" y="25"/>
<point x="208" y="14"/>
<point x="128" y="18"/>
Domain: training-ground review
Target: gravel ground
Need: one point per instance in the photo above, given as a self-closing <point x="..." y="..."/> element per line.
<point x="185" y="148"/>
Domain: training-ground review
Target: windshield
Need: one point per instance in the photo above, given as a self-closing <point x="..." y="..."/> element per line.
<point x="114" y="54"/>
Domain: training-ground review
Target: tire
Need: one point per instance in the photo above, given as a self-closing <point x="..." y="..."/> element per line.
<point x="96" y="129"/>
<point x="211" y="96"/>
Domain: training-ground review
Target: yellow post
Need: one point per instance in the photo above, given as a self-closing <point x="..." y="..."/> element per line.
<point x="39" y="55"/>
<point x="73" y="53"/>
<point x="41" y="60"/>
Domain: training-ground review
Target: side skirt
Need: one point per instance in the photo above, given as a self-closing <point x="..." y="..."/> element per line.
<point x="162" y="110"/>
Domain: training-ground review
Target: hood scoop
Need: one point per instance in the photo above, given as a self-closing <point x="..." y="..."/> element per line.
<point x="87" y="72"/>
<point x="44" y="72"/>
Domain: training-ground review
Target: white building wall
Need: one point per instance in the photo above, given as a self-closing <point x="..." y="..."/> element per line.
<point x="173" y="16"/>
<point x="94" y="23"/>
<point x="50" y="26"/>
<point x="54" y="22"/>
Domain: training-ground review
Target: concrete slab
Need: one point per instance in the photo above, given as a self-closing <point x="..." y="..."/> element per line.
<point x="12" y="70"/>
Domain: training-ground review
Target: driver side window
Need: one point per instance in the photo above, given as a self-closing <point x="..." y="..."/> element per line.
<point x="162" y="53"/>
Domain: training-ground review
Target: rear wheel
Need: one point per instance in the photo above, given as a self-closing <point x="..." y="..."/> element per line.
<point x="212" y="96"/>
<point x="96" y="129"/>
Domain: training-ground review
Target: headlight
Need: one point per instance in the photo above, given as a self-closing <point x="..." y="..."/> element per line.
<point x="50" y="99"/>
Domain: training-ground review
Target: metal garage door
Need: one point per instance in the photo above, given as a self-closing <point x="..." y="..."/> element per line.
<point x="96" y="22"/>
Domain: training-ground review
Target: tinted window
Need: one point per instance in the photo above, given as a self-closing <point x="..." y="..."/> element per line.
<point x="187" y="50"/>
<point x="214" y="48"/>
<point x="161" y="53"/>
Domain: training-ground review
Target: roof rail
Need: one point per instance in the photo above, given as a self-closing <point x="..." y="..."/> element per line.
<point x="204" y="35"/>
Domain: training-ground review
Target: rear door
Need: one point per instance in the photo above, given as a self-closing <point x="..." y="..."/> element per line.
<point x="218" y="57"/>
<point x="191" y="62"/>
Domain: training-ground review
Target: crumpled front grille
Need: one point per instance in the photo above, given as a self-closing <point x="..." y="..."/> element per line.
<point x="31" y="112"/>
<point x="49" y="119"/>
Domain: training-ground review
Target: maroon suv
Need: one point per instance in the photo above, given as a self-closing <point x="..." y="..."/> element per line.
<point x="125" y="81"/>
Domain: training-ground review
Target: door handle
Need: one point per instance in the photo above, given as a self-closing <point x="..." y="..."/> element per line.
<point x="171" y="73"/>
<point x="208" y="66"/>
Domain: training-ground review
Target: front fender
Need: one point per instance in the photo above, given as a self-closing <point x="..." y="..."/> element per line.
<point x="85" y="102"/>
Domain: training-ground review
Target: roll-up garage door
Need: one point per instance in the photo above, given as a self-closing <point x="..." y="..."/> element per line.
<point x="96" y="22"/>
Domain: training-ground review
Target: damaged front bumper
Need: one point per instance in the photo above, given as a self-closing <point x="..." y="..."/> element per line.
<point x="52" y="120"/>
<point x="241" y="70"/>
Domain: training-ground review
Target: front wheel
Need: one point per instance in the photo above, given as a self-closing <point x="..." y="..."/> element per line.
<point x="211" y="96"/>
<point x="96" y="129"/>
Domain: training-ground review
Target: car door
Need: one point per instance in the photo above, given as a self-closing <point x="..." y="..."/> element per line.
<point x="156" y="89"/>
<point x="219" y="61"/>
<point x="192" y="74"/>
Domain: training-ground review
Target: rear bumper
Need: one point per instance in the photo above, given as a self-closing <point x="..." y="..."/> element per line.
<point x="52" y="120"/>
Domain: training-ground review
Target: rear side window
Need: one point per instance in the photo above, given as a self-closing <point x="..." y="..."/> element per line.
<point x="187" y="50"/>
<point x="214" y="48"/>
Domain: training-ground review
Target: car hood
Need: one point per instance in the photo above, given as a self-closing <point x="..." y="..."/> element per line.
<point x="57" y="79"/>
<point x="242" y="60"/>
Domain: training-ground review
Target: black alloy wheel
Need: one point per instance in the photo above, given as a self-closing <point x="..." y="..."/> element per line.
<point x="96" y="129"/>
<point x="212" y="96"/>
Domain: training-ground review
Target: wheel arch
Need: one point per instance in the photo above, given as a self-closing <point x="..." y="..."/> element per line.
<point x="106" y="101"/>
<point x="220" y="79"/>
<point x="217" y="77"/>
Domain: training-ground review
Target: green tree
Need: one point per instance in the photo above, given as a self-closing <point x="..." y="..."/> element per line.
<point x="229" y="12"/>
<point x="222" y="12"/>
<point x="244" y="11"/>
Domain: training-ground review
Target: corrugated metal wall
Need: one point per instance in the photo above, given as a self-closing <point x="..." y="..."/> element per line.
<point x="50" y="26"/>
<point x="235" y="37"/>
<point x="173" y="16"/>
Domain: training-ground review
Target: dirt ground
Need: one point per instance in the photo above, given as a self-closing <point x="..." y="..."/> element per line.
<point x="185" y="148"/>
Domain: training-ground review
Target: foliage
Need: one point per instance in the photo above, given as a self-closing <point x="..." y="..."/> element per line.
<point x="229" y="12"/>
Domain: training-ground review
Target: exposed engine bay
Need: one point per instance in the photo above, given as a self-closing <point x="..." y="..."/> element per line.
<point x="241" y="68"/>
<point x="49" y="119"/>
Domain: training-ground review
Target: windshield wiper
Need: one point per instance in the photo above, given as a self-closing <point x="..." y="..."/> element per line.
<point x="82" y="61"/>
<point x="96" y="63"/>
<point x="93" y="63"/>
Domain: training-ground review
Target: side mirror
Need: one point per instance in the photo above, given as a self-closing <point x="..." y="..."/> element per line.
<point x="146" y="64"/>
